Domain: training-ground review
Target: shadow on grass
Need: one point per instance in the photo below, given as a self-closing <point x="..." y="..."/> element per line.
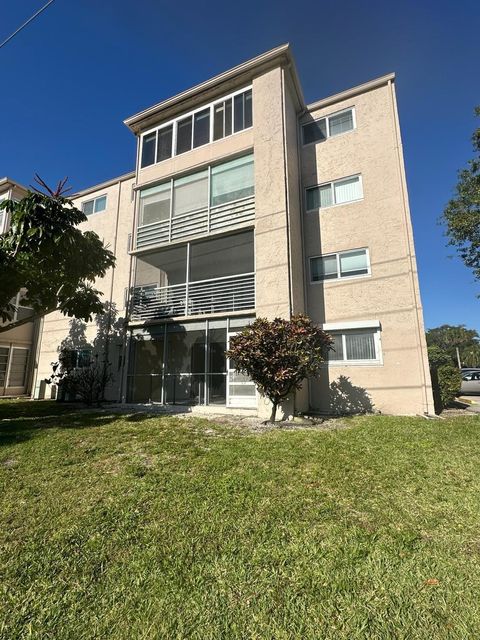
<point x="20" y="421"/>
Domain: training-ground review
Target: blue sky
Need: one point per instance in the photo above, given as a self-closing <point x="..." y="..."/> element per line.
<point x="70" y="78"/>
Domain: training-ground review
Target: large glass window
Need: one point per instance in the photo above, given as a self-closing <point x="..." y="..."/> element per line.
<point x="155" y="204"/>
<point x="232" y="180"/>
<point x="338" y="192"/>
<point x="229" y="182"/>
<point x="190" y="193"/>
<point x="184" y="364"/>
<point x="230" y="114"/>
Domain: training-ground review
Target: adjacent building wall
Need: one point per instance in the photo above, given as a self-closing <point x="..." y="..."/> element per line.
<point x="114" y="226"/>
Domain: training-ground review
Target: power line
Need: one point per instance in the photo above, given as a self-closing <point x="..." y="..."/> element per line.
<point x="25" y="23"/>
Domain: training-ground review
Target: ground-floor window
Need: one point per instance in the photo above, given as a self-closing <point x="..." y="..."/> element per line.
<point x="186" y="364"/>
<point x="13" y="369"/>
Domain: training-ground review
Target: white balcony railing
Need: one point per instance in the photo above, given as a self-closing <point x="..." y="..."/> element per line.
<point x="200" y="222"/>
<point x="218" y="295"/>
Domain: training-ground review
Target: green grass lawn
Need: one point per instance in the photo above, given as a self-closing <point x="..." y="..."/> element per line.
<point x="129" y="527"/>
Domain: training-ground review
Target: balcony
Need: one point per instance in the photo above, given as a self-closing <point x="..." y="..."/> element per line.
<point x="200" y="222"/>
<point x="217" y="295"/>
<point x="215" y="199"/>
<point x="204" y="277"/>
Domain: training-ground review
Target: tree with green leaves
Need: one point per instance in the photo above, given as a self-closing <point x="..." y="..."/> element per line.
<point x="450" y="337"/>
<point x="462" y="213"/>
<point x="45" y="255"/>
<point x="279" y="354"/>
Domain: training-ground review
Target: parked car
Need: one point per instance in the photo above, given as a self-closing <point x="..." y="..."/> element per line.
<point x="470" y="382"/>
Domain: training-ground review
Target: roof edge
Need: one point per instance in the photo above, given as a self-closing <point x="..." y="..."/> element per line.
<point x="354" y="91"/>
<point x="13" y="183"/>
<point x="282" y="51"/>
<point x="102" y="185"/>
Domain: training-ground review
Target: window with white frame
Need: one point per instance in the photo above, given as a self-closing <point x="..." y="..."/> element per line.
<point x="332" y="193"/>
<point x="217" y="120"/>
<point x="327" y="127"/>
<point x="345" y="264"/>
<point x="224" y="183"/>
<point x="95" y="205"/>
<point x="13" y="366"/>
<point x="355" y="346"/>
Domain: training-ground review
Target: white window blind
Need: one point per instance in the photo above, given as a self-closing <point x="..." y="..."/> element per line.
<point x="190" y="193"/>
<point x="346" y="264"/>
<point x="347" y="190"/>
<point x="3" y="364"/>
<point x="356" y="346"/>
<point x="155" y="204"/>
<point x="360" y="345"/>
<point x="341" y="123"/>
<point x="18" y="367"/>
<point x="232" y="180"/>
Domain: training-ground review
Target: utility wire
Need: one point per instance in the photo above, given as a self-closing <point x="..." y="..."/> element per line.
<point x="25" y="23"/>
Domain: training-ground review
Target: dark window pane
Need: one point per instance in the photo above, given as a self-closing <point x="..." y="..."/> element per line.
<point x="185" y="351"/>
<point x="248" y="109"/>
<point x="201" y="130"/>
<point x="228" y="117"/>
<point x="217" y="388"/>
<point x="218" y="125"/>
<point x="239" y="113"/>
<point x="337" y="347"/>
<point x="148" y="149"/>
<point x="184" y="135"/>
<point x="164" y="150"/>
<point x="315" y="131"/>
<point x="217" y="345"/>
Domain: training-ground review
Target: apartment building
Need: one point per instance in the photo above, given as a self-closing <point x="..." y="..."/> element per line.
<point x="246" y="202"/>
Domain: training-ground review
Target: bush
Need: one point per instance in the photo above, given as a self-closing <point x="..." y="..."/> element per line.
<point x="449" y="383"/>
<point x="446" y="378"/>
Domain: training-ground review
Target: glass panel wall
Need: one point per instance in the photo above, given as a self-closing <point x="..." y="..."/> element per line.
<point x="181" y="364"/>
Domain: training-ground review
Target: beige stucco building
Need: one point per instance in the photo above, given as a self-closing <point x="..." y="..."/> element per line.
<point x="246" y="202"/>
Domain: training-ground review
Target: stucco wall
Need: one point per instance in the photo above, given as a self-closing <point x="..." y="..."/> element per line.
<point x="113" y="225"/>
<point x="381" y="223"/>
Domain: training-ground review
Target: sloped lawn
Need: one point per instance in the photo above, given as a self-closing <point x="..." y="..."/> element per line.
<point x="144" y="527"/>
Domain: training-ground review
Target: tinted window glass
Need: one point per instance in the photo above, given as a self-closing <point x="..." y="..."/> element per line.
<point x="164" y="150"/>
<point x="148" y="149"/>
<point x="184" y="135"/>
<point x="201" y="130"/>
<point x="315" y="131"/>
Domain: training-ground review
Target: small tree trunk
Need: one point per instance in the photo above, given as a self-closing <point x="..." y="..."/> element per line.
<point x="274" y="411"/>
